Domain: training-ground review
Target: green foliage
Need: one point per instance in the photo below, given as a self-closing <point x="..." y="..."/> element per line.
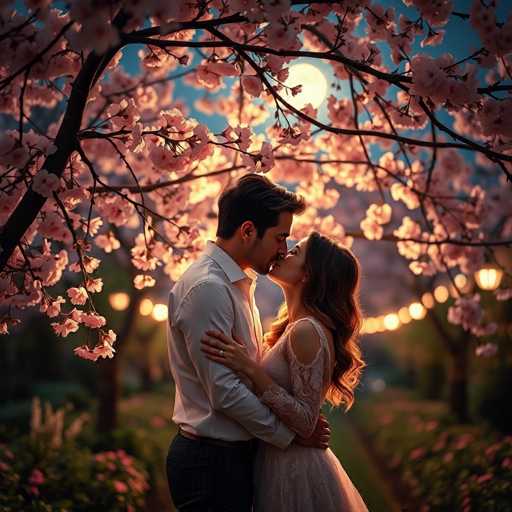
<point x="446" y="466"/>
<point x="35" y="477"/>
<point x="56" y="468"/>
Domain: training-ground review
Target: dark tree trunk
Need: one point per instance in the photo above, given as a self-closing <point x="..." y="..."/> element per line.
<point x="108" y="395"/>
<point x="108" y="389"/>
<point x="458" y="381"/>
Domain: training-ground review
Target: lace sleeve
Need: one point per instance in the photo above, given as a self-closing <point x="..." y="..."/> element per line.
<point x="299" y="411"/>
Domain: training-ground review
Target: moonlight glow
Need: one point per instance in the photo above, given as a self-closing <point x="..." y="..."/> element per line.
<point x="314" y="85"/>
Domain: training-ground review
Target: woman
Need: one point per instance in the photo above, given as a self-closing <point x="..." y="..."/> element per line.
<point x="311" y="354"/>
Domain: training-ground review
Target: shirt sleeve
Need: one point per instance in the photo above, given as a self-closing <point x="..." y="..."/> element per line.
<point x="300" y="409"/>
<point x="208" y="306"/>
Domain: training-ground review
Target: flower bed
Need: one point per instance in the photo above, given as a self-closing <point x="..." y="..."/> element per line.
<point x="445" y="466"/>
<point x="53" y="469"/>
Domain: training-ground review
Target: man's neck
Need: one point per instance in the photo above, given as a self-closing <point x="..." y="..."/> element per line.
<point x="229" y="248"/>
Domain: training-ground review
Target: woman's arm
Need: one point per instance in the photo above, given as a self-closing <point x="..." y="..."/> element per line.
<point x="306" y="357"/>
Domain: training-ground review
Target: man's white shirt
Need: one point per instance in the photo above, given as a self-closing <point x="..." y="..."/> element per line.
<point x="211" y="400"/>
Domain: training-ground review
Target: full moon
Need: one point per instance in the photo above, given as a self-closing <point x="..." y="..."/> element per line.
<point x="314" y="85"/>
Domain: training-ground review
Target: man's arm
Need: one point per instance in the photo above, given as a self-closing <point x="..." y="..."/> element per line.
<point x="208" y="306"/>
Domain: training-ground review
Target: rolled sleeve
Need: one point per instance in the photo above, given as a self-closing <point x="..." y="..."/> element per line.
<point x="208" y="306"/>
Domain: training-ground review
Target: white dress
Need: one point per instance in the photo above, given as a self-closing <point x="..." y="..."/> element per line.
<point x="300" y="478"/>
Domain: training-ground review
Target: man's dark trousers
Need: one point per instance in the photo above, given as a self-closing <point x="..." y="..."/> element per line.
<point x="208" y="476"/>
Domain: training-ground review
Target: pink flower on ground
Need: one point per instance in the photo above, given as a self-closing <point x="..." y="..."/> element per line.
<point x="448" y="457"/>
<point x="45" y="183"/>
<point x="484" y="478"/>
<point x="158" y="422"/>
<point x="36" y="477"/>
<point x="120" y="487"/>
<point x="417" y="453"/>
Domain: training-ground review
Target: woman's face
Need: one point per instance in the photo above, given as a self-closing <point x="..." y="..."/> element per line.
<point x="290" y="270"/>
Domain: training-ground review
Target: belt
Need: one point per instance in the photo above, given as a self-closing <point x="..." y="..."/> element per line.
<point x="216" y="442"/>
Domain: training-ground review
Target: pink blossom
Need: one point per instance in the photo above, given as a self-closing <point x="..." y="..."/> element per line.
<point x="417" y="453"/>
<point x="93" y="320"/>
<point x="107" y="242"/>
<point x="69" y="325"/>
<point x="104" y="350"/>
<point x="503" y="294"/>
<point x="448" y="457"/>
<point x="36" y="477"/>
<point x="208" y="78"/>
<point x="486" y="350"/>
<point x="45" y="183"/>
<point x="78" y="296"/>
<point x="466" y="312"/>
<point x="52" y="307"/>
<point x="252" y="85"/>
<point x="120" y="487"/>
<point x="223" y="69"/>
<point x="85" y="353"/>
<point x="143" y="281"/>
<point x="94" y="285"/>
<point x="484" y="478"/>
<point x="282" y="35"/>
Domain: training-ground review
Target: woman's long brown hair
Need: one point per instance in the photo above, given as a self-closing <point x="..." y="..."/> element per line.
<point x="331" y="295"/>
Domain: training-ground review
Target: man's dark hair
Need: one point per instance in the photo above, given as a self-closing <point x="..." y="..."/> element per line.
<point x="255" y="198"/>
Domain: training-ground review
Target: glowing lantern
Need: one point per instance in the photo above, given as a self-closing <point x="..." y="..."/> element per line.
<point x="488" y="277"/>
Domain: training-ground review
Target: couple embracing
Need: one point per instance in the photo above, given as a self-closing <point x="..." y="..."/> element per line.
<point x="251" y="436"/>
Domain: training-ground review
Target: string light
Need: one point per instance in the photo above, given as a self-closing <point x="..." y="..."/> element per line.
<point x="146" y="307"/>
<point x="427" y="299"/>
<point x="487" y="278"/>
<point x="391" y="322"/>
<point x="441" y="294"/>
<point x="119" y="301"/>
<point x="160" y="312"/>
<point x="417" y="311"/>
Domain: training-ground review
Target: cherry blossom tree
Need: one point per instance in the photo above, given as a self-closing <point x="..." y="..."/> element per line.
<point x="416" y="131"/>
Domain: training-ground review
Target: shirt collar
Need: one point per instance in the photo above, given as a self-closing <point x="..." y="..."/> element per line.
<point x="228" y="264"/>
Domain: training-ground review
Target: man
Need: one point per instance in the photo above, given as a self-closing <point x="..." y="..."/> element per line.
<point x="210" y="461"/>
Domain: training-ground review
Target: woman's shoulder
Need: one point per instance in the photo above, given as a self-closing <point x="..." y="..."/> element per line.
<point x="306" y="337"/>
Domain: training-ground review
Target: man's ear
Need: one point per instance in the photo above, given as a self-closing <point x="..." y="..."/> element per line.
<point x="247" y="230"/>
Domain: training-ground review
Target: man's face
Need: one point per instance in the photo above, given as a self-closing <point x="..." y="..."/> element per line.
<point x="272" y="247"/>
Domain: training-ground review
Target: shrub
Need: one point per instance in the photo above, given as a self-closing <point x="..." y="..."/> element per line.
<point x="446" y="466"/>
<point x="49" y="470"/>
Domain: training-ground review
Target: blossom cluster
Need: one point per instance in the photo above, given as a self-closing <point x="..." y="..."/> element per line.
<point x="143" y="176"/>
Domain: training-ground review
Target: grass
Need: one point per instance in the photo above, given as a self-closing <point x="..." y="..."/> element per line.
<point x="355" y="459"/>
<point x="150" y="413"/>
